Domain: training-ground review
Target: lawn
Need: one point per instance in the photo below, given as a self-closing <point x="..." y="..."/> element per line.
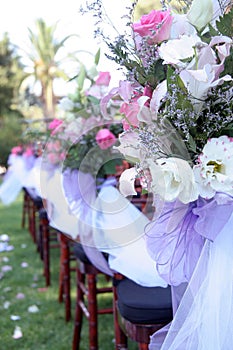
<point x="22" y="286"/>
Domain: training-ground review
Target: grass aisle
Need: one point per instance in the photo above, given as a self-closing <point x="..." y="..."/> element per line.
<point x="20" y="283"/>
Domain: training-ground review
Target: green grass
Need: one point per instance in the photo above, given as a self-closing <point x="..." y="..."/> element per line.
<point x="46" y="329"/>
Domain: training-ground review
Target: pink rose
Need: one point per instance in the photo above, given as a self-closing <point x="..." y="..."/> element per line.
<point x="28" y="152"/>
<point x="156" y="25"/>
<point x="54" y="125"/>
<point x="105" y="138"/>
<point x="16" y="150"/>
<point x="103" y="78"/>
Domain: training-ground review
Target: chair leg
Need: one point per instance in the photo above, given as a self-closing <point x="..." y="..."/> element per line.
<point x="143" y="346"/>
<point x="92" y="308"/>
<point x="46" y="257"/>
<point x="64" y="279"/>
<point x="61" y="278"/>
<point x="32" y="219"/>
<point x="78" y="319"/>
<point x="121" y="340"/>
<point x="25" y="209"/>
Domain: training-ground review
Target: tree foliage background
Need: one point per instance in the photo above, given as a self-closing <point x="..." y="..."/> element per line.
<point x="11" y="76"/>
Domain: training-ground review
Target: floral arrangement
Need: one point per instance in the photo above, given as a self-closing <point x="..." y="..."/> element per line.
<point x="177" y="99"/>
<point x="81" y="138"/>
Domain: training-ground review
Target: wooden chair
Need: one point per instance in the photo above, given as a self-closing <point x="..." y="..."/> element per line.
<point x="66" y="258"/>
<point x="87" y="299"/>
<point x="139" y="311"/>
<point x="31" y="206"/>
<point x="25" y="209"/>
<point x="48" y="238"/>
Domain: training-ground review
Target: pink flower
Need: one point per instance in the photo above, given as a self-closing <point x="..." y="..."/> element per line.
<point x="53" y="158"/>
<point x="103" y="78"/>
<point x="16" y="150"/>
<point x="130" y="110"/>
<point x="28" y="152"/>
<point x="156" y="25"/>
<point x="54" y="125"/>
<point x="105" y="138"/>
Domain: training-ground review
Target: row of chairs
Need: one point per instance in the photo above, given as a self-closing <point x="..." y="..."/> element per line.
<point x="137" y="311"/>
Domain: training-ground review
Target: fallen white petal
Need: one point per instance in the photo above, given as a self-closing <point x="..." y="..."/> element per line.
<point x="15" y="317"/>
<point x="33" y="309"/>
<point x="4" y="238"/>
<point x="20" y="296"/>
<point x="10" y="248"/>
<point x="24" y="264"/>
<point x="17" y="333"/>
<point x="6" y="268"/>
<point x="6" y="305"/>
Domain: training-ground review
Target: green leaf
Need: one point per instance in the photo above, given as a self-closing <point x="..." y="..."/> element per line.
<point x="225" y="24"/>
<point x="97" y="57"/>
<point x="192" y="144"/>
<point x="81" y="77"/>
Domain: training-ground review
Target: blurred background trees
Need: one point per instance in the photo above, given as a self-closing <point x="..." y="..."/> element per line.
<point x="11" y="76"/>
<point x="20" y="107"/>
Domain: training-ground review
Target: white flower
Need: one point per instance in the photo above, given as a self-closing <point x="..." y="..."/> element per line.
<point x="214" y="173"/>
<point x="181" y="26"/>
<point x="126" y="182"/>
<point x="203" y="12"/>
<point x="200" y="13"/>
<point x="129" y="146"/>
<point x="173" y="178"/>
<point x="148" y="114"/>
<point x="66" y="104"/>
<point x="176" y="50"/>
<point x="198" y="82"/>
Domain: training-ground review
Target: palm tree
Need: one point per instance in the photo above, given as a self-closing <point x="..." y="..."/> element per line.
<point x="46" y="66"/>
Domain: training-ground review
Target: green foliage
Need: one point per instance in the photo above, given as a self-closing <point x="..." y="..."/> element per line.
<point x="11" y="75"/>
<point x="225" y="24"/>
<point x="87" y="156"/>
<point x="10" y="135"/>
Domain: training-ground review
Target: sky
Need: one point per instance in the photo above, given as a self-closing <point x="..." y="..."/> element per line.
<point x="17" y="16"/>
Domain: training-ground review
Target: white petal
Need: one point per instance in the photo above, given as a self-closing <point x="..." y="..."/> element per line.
<point x="126" y="182"/>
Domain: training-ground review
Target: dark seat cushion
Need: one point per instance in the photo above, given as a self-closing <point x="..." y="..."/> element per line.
<point x="43" y="213"/>
<point x="145" y="305"/>
<point x="80" y="253"/>
<point x="34" y="197"/>
<point x="38" y="202"/>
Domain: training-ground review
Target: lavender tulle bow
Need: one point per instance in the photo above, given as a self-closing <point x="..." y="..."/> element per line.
<point x="176" y="237"/>
<point x="80" y="193"/>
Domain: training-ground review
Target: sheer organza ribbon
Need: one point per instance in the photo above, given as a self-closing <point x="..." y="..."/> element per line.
<point x="176" y="235"/>
<point x="204" y="317"/>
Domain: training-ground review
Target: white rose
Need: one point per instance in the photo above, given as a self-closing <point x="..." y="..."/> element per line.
<point x="173" y="178"/>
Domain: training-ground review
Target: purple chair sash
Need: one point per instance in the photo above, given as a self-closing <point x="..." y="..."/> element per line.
<point x="176" y="237"/>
